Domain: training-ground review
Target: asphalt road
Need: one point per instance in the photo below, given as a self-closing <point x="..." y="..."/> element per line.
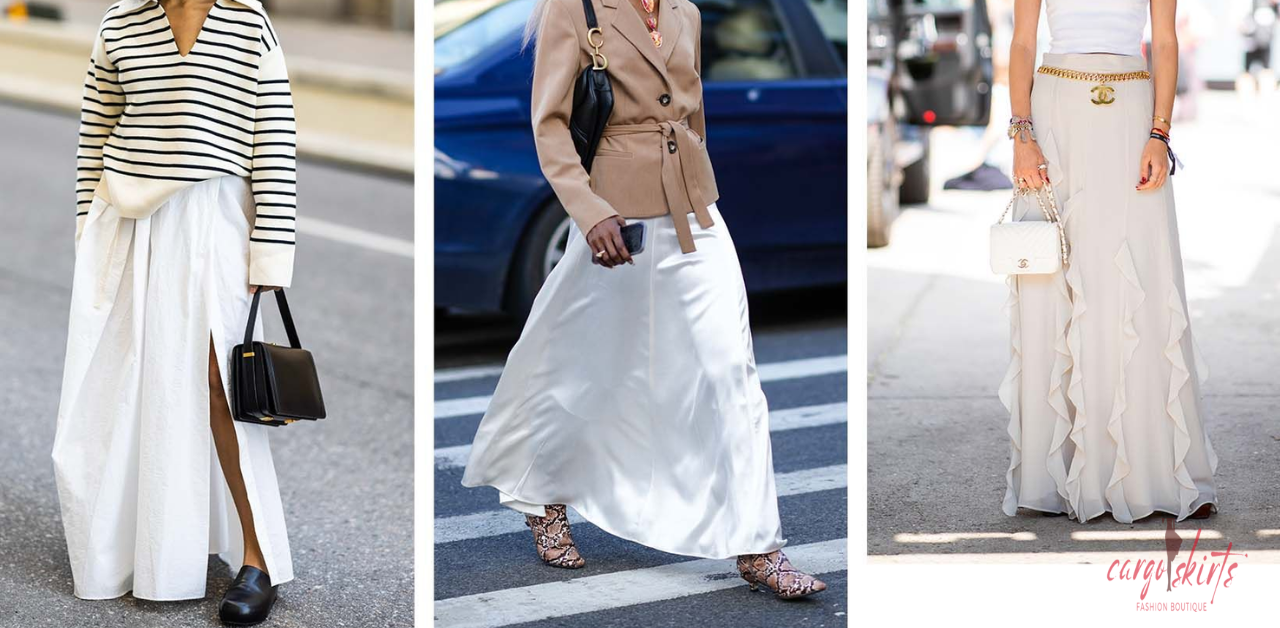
<point x="938" y="348"/>
<point x="347" y="482"/>
<point x="486" y="570"/>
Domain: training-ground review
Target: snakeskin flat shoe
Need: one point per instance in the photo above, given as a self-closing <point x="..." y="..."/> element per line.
<point x="552" y="540"/>
<point x="774" y="571"/>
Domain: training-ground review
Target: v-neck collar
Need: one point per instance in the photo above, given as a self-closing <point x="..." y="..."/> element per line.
<point x="173" y="34"/>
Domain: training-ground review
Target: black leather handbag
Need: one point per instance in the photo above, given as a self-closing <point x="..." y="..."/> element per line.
<point x="592" y="96"/>
<point x="270" y="384"/>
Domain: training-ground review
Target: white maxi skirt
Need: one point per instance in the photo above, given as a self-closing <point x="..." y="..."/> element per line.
<point x="1103" y="388"/>
<point x="143" y="498"/>
<point x="632" y="396"/>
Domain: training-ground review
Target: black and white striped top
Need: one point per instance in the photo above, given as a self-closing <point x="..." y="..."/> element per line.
<point x="154" y="121"/>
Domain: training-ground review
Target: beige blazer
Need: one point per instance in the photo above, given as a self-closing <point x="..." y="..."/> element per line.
<point x="652" y="159"/>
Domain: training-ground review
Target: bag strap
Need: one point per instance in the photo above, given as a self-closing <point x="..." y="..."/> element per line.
<point x="591" y="14"/>
<point x="1050" y="212"/>
<point x="283" y="305"/>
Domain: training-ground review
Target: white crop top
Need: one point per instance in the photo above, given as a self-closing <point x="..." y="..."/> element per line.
<point x="1082" y="26"/>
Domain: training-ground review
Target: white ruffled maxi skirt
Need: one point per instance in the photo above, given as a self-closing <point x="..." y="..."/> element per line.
<point x="1103" y="388"/>
<point x="143" y="498"/>
<point x="632" y="396"/>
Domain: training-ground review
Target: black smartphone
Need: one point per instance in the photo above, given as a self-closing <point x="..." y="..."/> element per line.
<point x="633" y="237"/>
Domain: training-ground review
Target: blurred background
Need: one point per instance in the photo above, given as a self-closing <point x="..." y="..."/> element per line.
<point x="347" y="482"/>
<point x="938" y="170"/>
<point x="775" y="81"/>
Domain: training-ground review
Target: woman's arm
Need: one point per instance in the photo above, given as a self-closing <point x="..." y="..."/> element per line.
<point x="1027" y="157"/>
<point x="102" y="105"/>
<point x="698" y="121"/>
<point x="555" y="68"/>
<point x="1154" y="168"/>
<point x="274" y="180"/>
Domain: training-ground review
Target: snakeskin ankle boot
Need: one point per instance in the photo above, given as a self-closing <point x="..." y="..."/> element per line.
<point x="774" y="571"/>
<point x="552" y="540"/>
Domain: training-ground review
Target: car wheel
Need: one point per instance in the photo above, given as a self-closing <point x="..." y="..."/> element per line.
<point x="915" y="181"/>
<point x="540" y="250"/>
<point x="882" y="198"/>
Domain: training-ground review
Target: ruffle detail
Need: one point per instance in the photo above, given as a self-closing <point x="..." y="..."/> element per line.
<point x="1062" y="364"/>
<point x="1010" y="397"/>
<point x="1075" y="389"/>
<point x="1133" y="298"/>
<point x="1179" y="376"/>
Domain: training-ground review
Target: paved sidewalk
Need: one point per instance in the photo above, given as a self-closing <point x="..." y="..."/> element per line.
<point x="353" y="85"/>
<point x="938" y="348"/>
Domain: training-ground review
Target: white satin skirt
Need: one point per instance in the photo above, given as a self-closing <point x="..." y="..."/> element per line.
<point x="143" y="498"/>
<point x="632" y="396"/>
<point x="1103" y="388"/>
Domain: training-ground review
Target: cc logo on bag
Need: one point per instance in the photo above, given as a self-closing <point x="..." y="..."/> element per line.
<point x="1022" y="263"/>
<point x="1103" y="95"/>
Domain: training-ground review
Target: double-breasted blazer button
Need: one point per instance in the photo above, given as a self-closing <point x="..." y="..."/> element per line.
<point x="671" y="146"/>
<point x="664" y="100"/>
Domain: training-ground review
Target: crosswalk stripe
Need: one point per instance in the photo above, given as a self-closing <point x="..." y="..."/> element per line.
<point x="779" y="421"/>
<point x="444" y="376"/>
<point x="619" y="589"/>
<point x="803" y="368"/>
<point x="504" y="521"/>
<point x="772" y="372"/>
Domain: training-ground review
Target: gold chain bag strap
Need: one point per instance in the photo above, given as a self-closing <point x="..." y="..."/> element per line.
<point x="1029" y="247"/>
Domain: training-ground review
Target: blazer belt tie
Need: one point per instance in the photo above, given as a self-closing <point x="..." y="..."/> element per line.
<point x="673" y="172"/>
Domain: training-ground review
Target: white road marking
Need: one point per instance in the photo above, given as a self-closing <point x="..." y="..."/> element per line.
<point x="772" y="372"/>
<point x="505" y="521"/>
<point x="953" y="537"/>
<point x="620" y="589"/>
<point x="469" y="372"/>
<point x="355" y="237"/>
<point x="779" y="421"/>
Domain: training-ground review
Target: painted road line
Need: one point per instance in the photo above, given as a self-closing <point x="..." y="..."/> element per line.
<point x="469" y="372"/>
<point x="619" y="589"/>
<point x="771" y="372"/>
<point x="779" y="421"/>
<point x="504" y="521"/>
<point x="355" y="237"/>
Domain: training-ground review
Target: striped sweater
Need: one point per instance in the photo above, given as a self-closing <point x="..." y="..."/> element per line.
<point x="154" y="121"/>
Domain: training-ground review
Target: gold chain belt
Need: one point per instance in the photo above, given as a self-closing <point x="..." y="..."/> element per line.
<point x="1103" y="94"/>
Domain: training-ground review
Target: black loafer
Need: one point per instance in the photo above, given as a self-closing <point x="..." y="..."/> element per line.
<point x="249" y="599"/>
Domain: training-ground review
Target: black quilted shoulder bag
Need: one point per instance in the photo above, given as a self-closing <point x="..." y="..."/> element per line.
<point x="270" y="384"/>
<point x="592" y="96"/>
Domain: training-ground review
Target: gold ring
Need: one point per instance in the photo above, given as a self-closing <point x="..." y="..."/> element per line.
<point x="600" y="254"/>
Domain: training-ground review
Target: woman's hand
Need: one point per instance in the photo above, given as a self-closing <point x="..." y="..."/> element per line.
<point x="607" y="236"/>
<point x="1027" y="160"/>
<point x="1154" y="167"/>
<point x="256" y="289"/>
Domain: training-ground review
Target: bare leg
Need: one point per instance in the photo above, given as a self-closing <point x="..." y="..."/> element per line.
<point x="224" y="440"/>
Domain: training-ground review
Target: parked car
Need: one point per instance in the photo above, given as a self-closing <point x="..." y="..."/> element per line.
<point x="775" y="87"/>
<point x="928" y="64"/>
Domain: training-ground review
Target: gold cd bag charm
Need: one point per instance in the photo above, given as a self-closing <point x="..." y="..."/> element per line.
<point x="1103" y="93"/>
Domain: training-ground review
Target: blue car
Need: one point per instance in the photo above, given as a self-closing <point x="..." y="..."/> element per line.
<point x="775" y="87"/>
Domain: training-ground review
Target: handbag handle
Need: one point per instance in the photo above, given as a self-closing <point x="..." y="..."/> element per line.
<point x="1050" y="213"/>
<point x="284" y="314"/>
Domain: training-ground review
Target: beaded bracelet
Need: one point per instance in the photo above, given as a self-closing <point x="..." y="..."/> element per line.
<point x="1020" y="126"/>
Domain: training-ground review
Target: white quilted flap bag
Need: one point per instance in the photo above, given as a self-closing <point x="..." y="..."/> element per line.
<point x="1029" y="247"/>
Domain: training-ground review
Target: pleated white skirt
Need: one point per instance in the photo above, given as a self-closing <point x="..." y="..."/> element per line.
<point x="632" y="396"/>
<point x="143" y="498"/>
<point x="1103" y="388"/>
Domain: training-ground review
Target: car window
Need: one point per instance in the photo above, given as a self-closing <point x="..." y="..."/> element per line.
<point x="466" y="28"/>
<point x="743" y="40"/>
<point x="833" y="18"/>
